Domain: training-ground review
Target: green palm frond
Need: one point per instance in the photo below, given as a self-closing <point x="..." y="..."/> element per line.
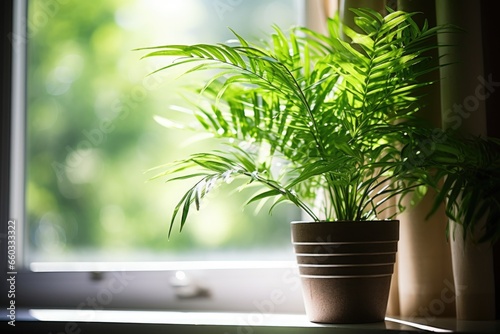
<point x="334" y="111"/>
<point x="466" y="176"/>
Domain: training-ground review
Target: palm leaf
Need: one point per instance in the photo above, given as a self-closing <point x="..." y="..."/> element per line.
<point x="325" y="107"/>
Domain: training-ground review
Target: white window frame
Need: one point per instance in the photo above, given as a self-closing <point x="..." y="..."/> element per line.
<point x="268" y="287"/>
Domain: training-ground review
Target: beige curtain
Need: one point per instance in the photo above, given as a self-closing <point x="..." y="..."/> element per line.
<point x="435" y="277"/>
<point x="464" y="91"/>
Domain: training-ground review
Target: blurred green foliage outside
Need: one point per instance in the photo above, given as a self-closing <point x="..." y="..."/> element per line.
<point x="92" y="134"/>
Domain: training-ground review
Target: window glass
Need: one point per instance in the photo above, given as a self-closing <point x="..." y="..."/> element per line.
<point x="92" y="134"/>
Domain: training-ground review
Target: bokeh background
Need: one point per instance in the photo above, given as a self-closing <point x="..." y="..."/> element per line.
<point x="92" y="136"/>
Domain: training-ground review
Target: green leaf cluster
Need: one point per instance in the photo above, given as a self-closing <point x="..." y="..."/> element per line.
<point x="466" y="177"/>
<point x="316" y="119"/>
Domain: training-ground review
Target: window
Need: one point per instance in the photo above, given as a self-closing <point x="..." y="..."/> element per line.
<point x="91" y="132"/>
<point x="94" y="229"/>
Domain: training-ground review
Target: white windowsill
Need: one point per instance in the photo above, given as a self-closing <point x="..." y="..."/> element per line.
<point x="245" y="322"/>
<point x="157" y="266"/>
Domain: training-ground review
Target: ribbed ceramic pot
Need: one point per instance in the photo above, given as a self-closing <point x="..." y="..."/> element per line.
<point x="346" y="268"/>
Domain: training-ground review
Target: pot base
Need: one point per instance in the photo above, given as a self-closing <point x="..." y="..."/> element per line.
<point x="346" y="300"/>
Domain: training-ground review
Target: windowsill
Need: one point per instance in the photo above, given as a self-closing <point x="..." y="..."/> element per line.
<point x="69" y="321"/>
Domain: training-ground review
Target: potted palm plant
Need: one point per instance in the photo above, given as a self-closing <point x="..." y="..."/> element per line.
<point x="319" y="121"/>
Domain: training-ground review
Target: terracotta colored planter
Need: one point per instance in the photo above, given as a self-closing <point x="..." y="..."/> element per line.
<point x="345" y="268"/>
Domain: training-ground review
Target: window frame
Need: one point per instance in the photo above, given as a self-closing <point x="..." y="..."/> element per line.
<point x="266" y="287"/>
<point x="5" y="133"/>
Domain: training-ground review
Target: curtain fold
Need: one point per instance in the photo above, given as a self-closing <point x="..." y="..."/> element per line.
<point x="425" y="270"/>
<point x="316" y="13"/>
<point x="436" y="277"/>
<point x="464" y="91"/>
